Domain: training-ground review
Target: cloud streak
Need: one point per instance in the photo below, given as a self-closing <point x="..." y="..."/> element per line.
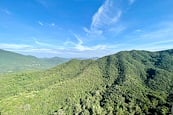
<point x="44" y="24"/>
<point x="97" y="50"/>
<point x="14" y="46"/>
<point x="77" y="50"/>
<point x="106" y="16"/>
<point x="79" y="46"/>
<point x="47" y="45"/>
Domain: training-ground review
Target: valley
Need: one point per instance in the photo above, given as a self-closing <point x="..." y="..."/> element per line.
<point x="11" y="62"/>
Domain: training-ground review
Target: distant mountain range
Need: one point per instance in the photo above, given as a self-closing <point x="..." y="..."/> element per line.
<point x="126" y="83"/>
<point x="14" y="62"/>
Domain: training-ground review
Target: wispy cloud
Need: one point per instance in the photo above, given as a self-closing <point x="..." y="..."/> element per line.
<point x="80" y="46"/>
<point x="41" y="43"/>
<point x="68" y="49"/>
<point x="46" y="24"/>
<point x="32" y="50"/>
<point x="47" y="45"/>
<point x="14" y="46"/>
<point x="106" y="16"/>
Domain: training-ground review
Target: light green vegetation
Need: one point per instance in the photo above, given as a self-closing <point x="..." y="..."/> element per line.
<point x="135" y="82"/>
<point x="12" y="62"/>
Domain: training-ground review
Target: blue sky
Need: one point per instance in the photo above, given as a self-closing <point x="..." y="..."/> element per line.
<point x="85" y="28"/>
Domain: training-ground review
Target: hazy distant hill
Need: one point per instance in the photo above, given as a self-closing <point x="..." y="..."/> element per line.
<point x="127" y="83"/>
<point x="13" y="62"/>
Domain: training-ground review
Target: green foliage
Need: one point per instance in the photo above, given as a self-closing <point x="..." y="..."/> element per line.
<point x="12" y="62"/>
<point x="127" y="83"/>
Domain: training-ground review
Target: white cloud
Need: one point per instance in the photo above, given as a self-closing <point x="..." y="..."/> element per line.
<point x="32" y="50"/>
<point x="52" y="24"/>
<point x="75" y="50"/>
<point x="14" y="46"/>
<point x="41" y="43"/>
<point x="106" y="17"/>
<point x="47" y="45"/>
<point x="93" y="31"/>
<point x="79" y="46"/>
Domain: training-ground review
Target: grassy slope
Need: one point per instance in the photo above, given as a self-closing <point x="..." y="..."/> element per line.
<point x="136" y="82"/>
<point x="13" y="62"/>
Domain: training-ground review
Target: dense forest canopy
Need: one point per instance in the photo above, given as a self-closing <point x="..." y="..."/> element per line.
<point x="129" y="82"/>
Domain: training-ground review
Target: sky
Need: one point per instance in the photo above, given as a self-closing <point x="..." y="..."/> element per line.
<point x="85" y="28"/>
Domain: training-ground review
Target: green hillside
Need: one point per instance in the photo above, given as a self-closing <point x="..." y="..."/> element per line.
<point x="127" y="83"/>
<point x="13" y="62"/>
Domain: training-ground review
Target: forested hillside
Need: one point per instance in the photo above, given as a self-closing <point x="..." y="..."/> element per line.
<point x="129" y="82"/>
<point x="13" y="62"/>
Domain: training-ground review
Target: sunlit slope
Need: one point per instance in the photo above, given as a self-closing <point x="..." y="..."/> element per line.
<point x="14" y="62"/>
<point x="135" y="82"/>
<point x="44" y="92"/>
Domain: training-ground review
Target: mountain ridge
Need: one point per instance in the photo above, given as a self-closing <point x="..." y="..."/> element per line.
<point x="129" y="82"/>
<point x="15" y="62"/>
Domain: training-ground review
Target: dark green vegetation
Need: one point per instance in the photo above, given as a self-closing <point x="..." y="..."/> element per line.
<point x="135" y="82"/>
<point x="13" y="62"/>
